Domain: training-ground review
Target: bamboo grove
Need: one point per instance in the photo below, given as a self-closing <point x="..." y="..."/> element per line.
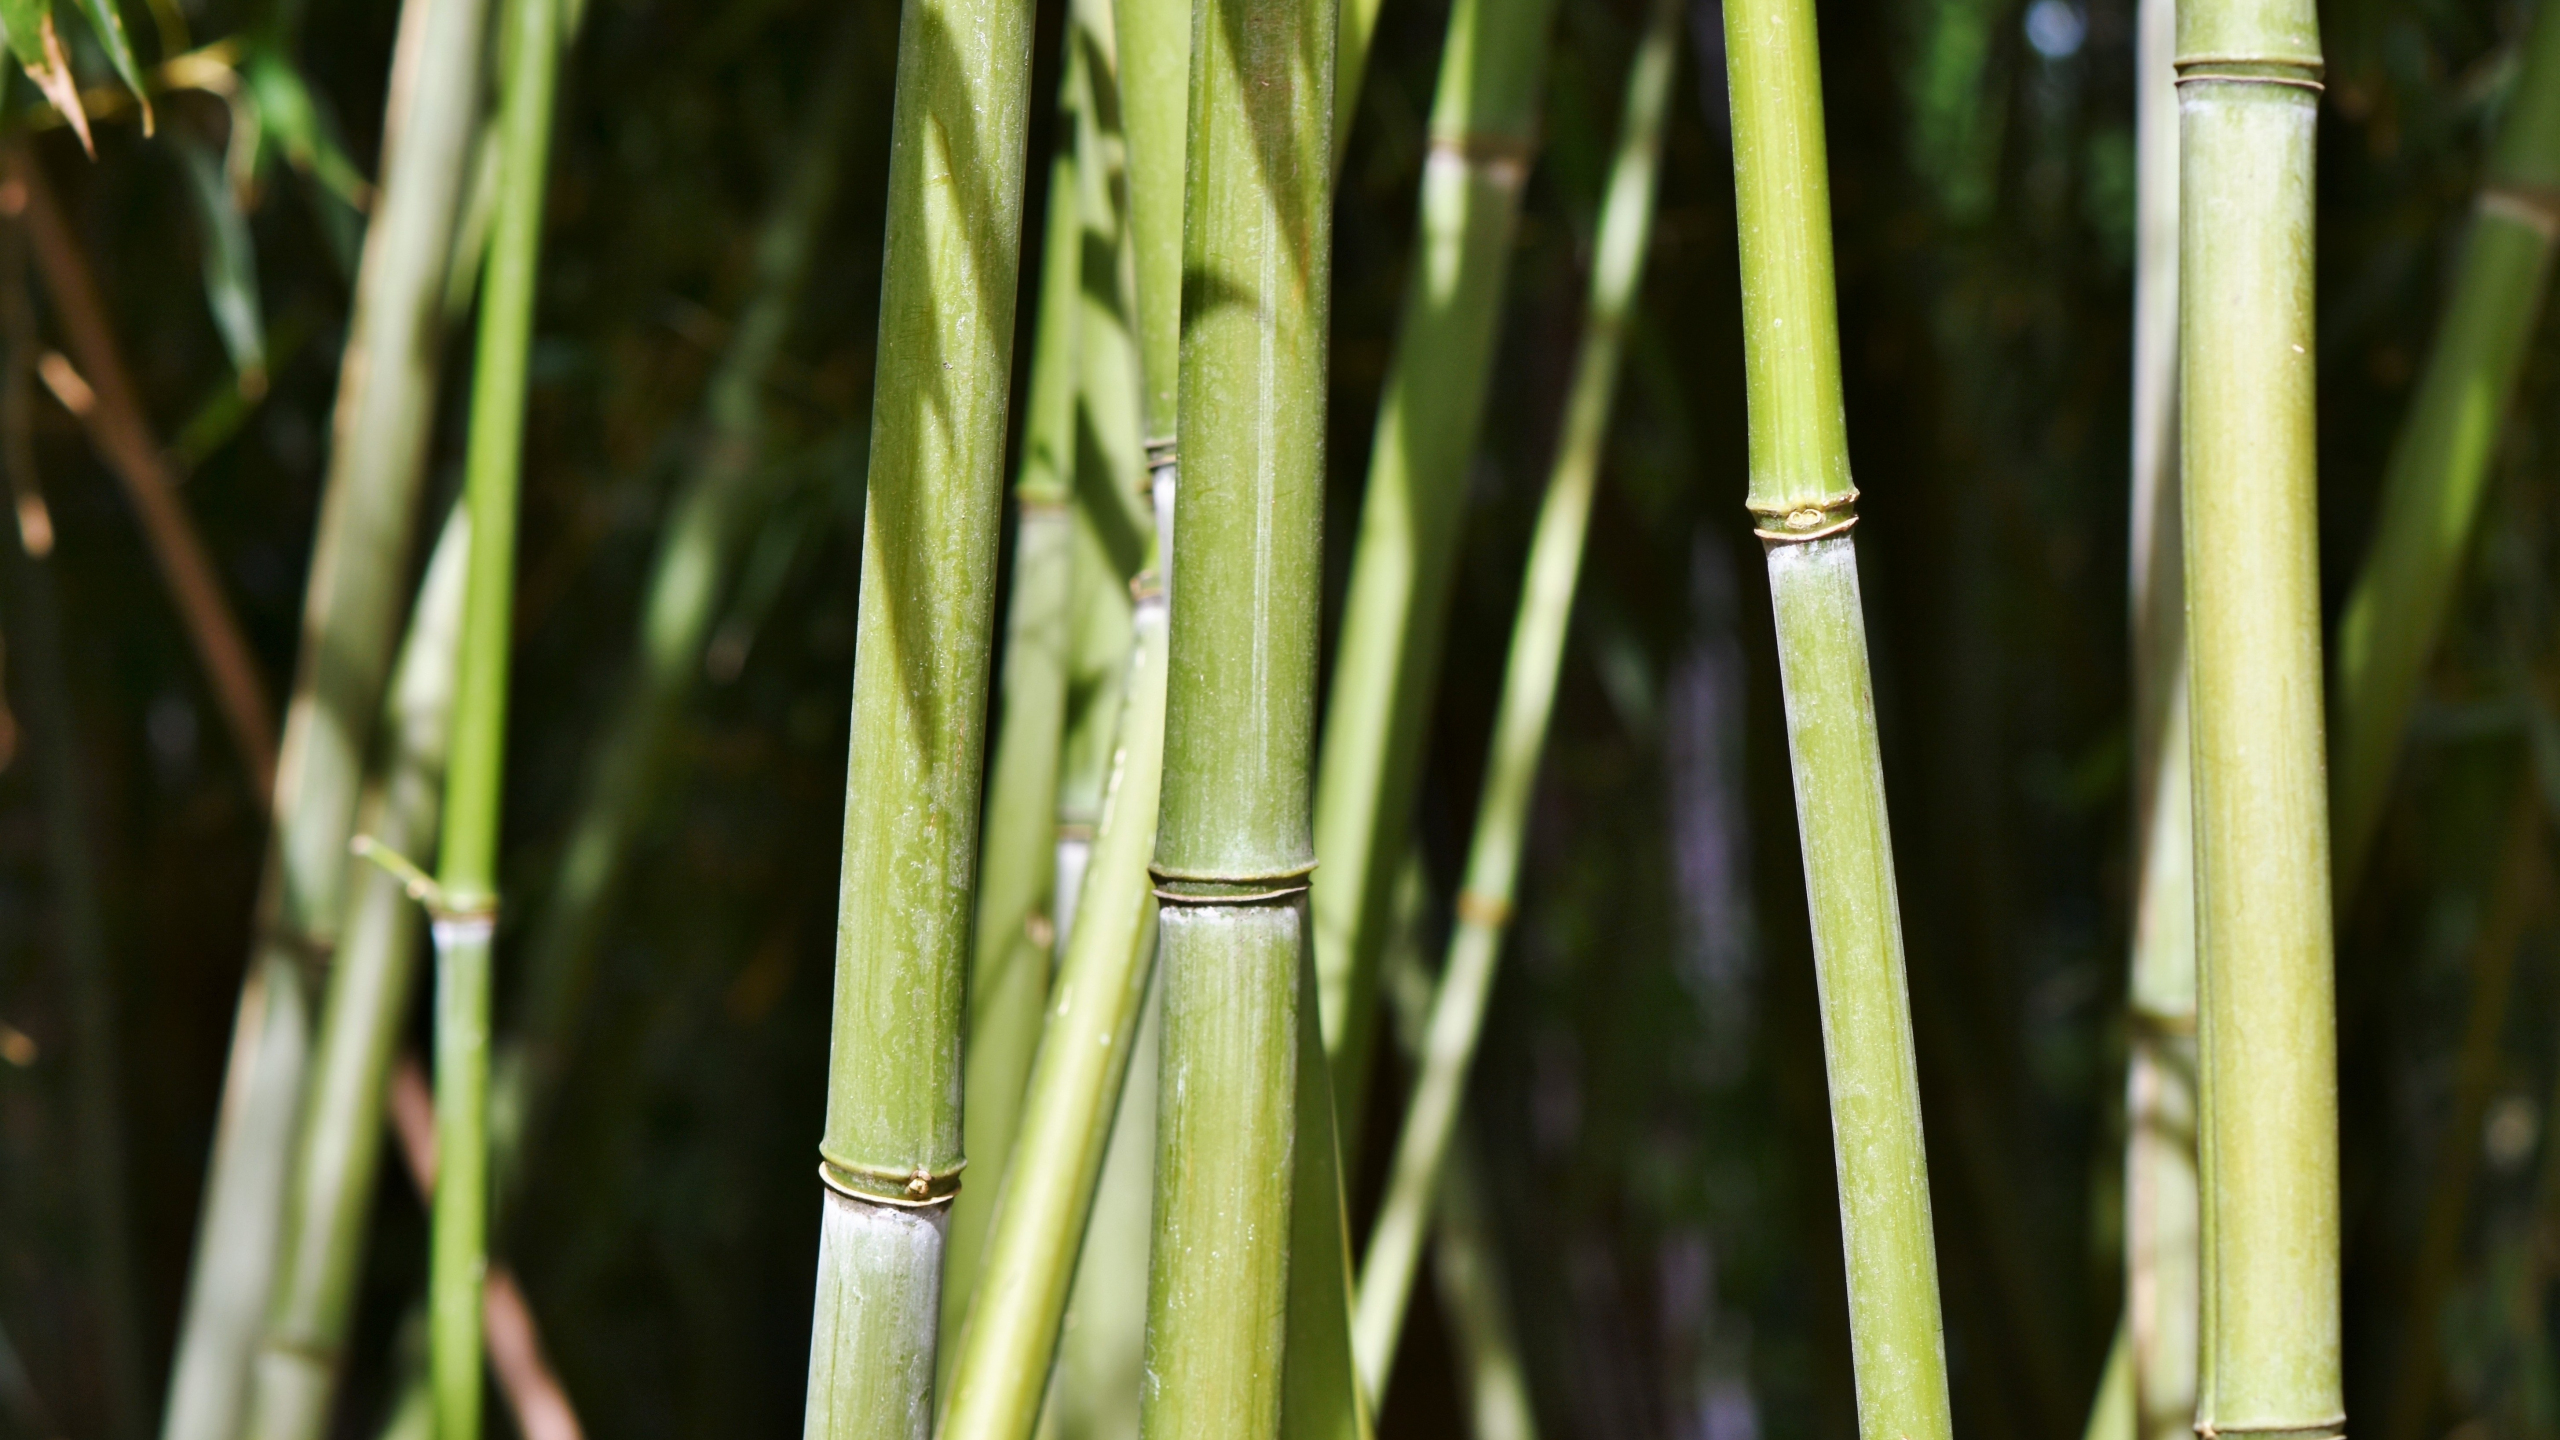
<point x="1688" y="718"/>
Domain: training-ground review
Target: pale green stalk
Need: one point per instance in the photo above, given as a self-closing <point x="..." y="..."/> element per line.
<point x="1804" y="505"/>
<point x="1483" y="133"/>
<point x="329" y="1195"/>
<point x="1246" y="1185"/>
<point x="351" y="613"/>
<point x="891" y="1157"/>
<point x="1521" y="720"/>
<point x="465" y="905"/>
<point x="2247" y="108"/>
<point x="1102" y="1352"/>
<point x="2439" y="465"/>
<point x="1354" y="27"/>
<point x="1004" y="1364"/>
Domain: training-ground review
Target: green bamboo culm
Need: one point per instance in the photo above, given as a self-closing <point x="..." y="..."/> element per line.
<point x="1004" y="1364"/>
<point x="2248" y="99"/>
<point x="330" y="1194"/>
<point x="892" y="1153"/>
<point x="2439" y="465"/>
<point x="1804" y="505"/>
<point x="1521" y="721"/>
<point x="1483" y="132"/>
<point x="351" y="615"/>
<point x="465" y="905"/>
<point x="1241" y="1178"/>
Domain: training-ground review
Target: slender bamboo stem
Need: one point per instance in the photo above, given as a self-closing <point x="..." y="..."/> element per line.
<point x="467" y="872"/>
<point x="2247" y="106"/>
<point x="712" y="516"/>
<point x="1003" y="1367"/>
<point x="1234" y="848"/>
<point x="1483" y="133"/>
<point x="1102" y="1348"/>
<point x="43" y="699"/>
<point x="1804" y="503"/>
<point x="351" y="611"/>
<point x="2158" y="1333"/>
<point x="2439" y="465"/>
<point x="1153" y="41"/>
<point x="329" y="1189"/>
<point x="1354" y="27"/>
<point x="1521" y="721"/>
<point x="892" y="1153"/>
<point x="2513" y="898"/>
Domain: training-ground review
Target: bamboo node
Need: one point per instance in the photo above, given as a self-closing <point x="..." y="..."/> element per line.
<point x="2532" y="206"/>
<point x="1489" y="912"/>
<point x="2290" y="71"/>
<point x="1500" y="158"/>
<point x="2332" y="1427"/>
<point x="1193" y="887"/>
<point x="913" y="1189"/>
<point x="1807" y="520"/>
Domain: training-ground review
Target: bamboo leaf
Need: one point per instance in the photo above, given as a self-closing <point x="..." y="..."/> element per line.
<point x="107" y="24"/>
<point x="230" y="260"/>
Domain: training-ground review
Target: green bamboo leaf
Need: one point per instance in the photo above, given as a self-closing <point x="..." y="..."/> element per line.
<point x="108" y="26"/>
<point x="38" y="47"/>
<point x="230" y="265"/>
<point x="299" y="128"/>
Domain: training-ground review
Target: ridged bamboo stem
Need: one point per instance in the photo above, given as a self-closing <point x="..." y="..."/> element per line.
<point x="1802" y="498"/>
<point x="1483" y="136"/>
<point x="1004" y="1364"/>
<point x="1521" y="720"/>
<point x="2439" y="465"/>
<point x="892" y="1153"/>
<point x="466" y="907"/>
<point x="385" y="414"/>
<point x="329" y="1186"/>
<point x="2267" y="1047"/>
<point x="1235" y="1342"/>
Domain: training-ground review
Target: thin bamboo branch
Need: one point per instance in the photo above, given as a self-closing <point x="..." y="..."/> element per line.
<point x="892" y="1153"/>
<point x="2267" y="1043"/>
<point x="1483" y="138"/>
<point x="2439" y="464"/>
<point x="466" y="907"/>
<point x="1805" y="505"/>
<point x="385" y="412"/>
<point x="1521" y="722"/>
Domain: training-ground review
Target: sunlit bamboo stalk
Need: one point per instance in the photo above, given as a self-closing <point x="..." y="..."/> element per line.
<point x="2248" y="73"/>
<point x="2439" y="464"/>
<point x="1483" y="136"/>
<point x="1521" y="721"/>
<point x="361" y="560"/>
<point x="1804" y="506"/>
<point x="891" y="1157"/>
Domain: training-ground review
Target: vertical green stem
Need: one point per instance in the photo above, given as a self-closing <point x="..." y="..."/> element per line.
<point x="1520" y="723"/>
<point x="2439" y="465"/>
<point x="1804" y="503"/>
<point x="467" y="874"/>
<point x="1483" y="133"/>
<point x="2247" y="108"/>
<point x="329" y="1195"/>
<point x="1233" y="848"/>
<point x="351" y="613"/>
<point x="891" y="1156"/>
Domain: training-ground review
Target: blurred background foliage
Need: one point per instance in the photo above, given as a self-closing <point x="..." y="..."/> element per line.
<point x="1650" y="1102"/>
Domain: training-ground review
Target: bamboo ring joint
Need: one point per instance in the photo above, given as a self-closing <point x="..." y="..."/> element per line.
<point x="1187" y="887"/>
<point x="1502" y="159"/>
<point x="2532" y="206"/>
<point x="914" y="1189"/>
<point x="2331" y="1428"/>
<point x="1812" y="520"/>
<point x="2252" y="70"/>
<point x="1487" y="911"/>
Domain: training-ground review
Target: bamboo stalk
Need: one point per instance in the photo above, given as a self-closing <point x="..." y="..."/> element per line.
<point x="2439" y="464"/>
<point x="1231" y="1275"/>
<point x="1005" y="1355"/>
<point x="892" y="1153"/>
<point x="1521" y="721"/>
<point x="467" y="903"/>
<point x="1102" y="1347"/>
<point x="1483" y="132"/>
<point x="360" y="559"/>
<point x="1354" y="27"/>
<point x="42" y="694"/>
<point x="710" y="520"/>
<point x="2247" y="105"/>
<point x="329" y="1190"/>
<point x="1804" y="506"/>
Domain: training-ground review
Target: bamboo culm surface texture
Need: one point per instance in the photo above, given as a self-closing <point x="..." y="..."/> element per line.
<point x="1804" y="504"/>
<point x="385" y="411"/>
<point x="1483" y="130"/>
<point x="891" y="1156"/>
<point x="2247" y="107"/>
<point x="2439" y="464"/>
<point x="1239" y="1342"/>
<point x="465" y="906"/>
<point x="329" y="1196"/>
<point x="1520" y="723"/>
